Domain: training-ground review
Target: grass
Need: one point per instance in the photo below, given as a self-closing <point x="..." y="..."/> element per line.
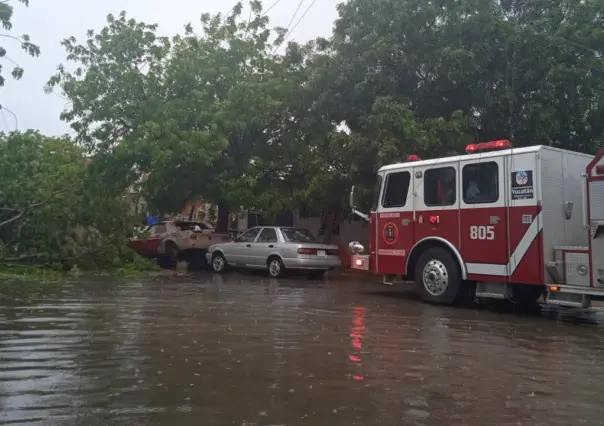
<point x="136" y="267"/>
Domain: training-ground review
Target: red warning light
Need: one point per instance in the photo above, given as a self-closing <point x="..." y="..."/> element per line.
<point x="434" y="220"/>
<point x="413" y="157"/>
<point x="488" y="146"/>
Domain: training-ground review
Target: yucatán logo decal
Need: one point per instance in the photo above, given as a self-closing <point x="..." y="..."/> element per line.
<point x="522" y="185"/>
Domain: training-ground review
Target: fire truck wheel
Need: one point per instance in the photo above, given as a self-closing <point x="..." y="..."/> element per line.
<point x="437" y="276"/>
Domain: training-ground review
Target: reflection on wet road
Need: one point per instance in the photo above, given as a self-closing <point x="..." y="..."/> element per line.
<point x="213" y="350"/>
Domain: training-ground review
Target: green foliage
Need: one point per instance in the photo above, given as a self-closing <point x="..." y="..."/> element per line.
<point x="55" y="210"/>
<point x="6" y="15"/>
<point x="428" y="77"/>
<point x="194" y="111"/>
<point x="531" y="71"/>
<point x="218" y="114"/>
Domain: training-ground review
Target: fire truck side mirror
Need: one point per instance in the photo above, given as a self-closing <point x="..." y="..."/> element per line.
<point x="353" y="206"/>
<point x="351" y="199"/>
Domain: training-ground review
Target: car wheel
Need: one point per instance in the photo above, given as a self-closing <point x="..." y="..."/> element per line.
<point x="275" y="267"/>
<point x="438" y="277"/>
<point x="218" y="262"/>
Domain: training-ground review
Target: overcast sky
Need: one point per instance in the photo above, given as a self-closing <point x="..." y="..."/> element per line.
<point x="50" y="21"/>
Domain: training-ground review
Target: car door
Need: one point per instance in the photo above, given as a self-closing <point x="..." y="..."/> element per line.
<point x="240" y="252"/>
<point x="149" y="245"/>
<point x="264" y="245"/>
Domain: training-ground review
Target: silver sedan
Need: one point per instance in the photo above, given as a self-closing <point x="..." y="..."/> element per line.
<point x="276" y="249"/>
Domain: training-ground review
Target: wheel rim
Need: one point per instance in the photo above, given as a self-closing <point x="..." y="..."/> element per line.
<point x="435" y="277"/>
<point x="218" y="263"/>
<point x="274" y="268"/>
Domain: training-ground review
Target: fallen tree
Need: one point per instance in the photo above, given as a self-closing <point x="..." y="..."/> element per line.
<point x="56" y="208"/>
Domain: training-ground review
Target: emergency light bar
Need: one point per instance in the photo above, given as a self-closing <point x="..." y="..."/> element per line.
<point x="488" y="146"/>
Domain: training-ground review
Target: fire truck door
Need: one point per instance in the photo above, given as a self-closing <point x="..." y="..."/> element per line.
<point x="394" y="225"/>
<point x="483" y="217"/>
<point x="437" y="202"/>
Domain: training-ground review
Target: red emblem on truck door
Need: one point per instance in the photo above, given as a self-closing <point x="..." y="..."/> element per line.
<point x="390" y="233"/>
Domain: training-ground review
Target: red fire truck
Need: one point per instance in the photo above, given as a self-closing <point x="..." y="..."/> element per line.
<point x="498" y="222"/>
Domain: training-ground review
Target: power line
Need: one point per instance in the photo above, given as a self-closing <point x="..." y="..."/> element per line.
<point x="3" y="108"/>
<point x="4" y="120"/>
<point x="271" y="6"/>
<point x="294" y="15"/>
<point x="289" y="33"/>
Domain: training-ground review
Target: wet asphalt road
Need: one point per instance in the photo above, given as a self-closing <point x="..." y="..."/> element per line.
<point x="245" y="350"/>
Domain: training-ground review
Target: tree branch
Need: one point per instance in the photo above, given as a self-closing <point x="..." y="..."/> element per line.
<point x="38" y="204"/>
<point x="19" y="258"/>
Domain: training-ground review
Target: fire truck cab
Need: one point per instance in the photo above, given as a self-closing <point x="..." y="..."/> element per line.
<point x="498" y="222"/>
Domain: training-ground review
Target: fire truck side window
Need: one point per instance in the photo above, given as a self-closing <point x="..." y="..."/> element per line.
<point x="439" y="187"/>
<point x="480" y="183"/>
<point x="397" y="187"/>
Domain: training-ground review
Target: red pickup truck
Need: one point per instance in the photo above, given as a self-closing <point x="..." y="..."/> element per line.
<point x="171" y="241"/>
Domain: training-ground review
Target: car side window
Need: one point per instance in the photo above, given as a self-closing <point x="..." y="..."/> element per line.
<point x="268" y="235"/>
<point x="248" y="236"/>
<point x="158" y="229"/>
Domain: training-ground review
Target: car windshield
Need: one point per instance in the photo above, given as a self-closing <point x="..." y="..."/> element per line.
<point x="294" y="235"/>
<point x="189" y="226"/>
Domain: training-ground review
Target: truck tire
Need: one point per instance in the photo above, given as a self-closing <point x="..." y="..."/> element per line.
<point x="437" y="276"/>
<point x="527" y="295"/>
<point x="170" y="257"/>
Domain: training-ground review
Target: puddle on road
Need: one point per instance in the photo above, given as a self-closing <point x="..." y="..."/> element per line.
<point x="216" y="350"/>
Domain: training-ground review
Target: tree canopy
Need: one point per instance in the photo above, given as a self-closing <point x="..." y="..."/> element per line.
<point x="217" y="113"/>
<point x="6" y="15"/>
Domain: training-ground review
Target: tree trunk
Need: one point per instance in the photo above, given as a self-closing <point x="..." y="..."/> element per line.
<point x="222" y="224"/>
